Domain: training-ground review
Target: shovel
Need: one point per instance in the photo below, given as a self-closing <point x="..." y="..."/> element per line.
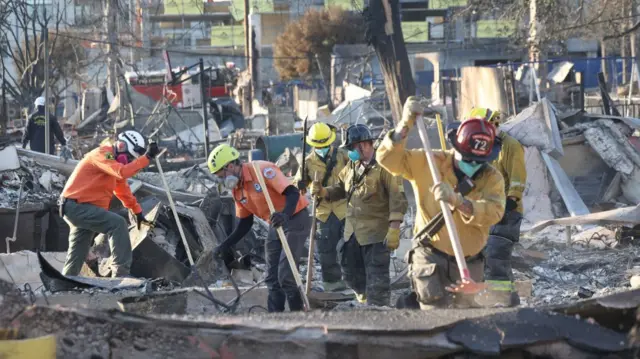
<point x="466" y="285"/>
<point x="283" y="239"/>
<point x="15" y="224"/>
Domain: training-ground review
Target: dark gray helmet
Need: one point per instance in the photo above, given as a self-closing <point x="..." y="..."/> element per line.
<point x="357" y="133"/>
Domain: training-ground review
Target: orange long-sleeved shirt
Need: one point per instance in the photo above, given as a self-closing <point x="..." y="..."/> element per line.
<point x="99" y="176"/>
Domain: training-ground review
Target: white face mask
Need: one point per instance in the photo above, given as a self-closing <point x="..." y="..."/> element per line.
<point x="230" y="182"/>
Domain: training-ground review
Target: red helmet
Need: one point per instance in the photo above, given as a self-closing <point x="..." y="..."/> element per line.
<point x="474" y="139"/>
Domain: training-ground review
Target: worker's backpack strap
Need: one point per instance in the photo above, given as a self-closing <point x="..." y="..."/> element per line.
<point x="331" y="163"/>
<point x="357" y="180"/>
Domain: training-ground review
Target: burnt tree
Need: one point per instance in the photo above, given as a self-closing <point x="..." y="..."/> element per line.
<point x="384" y="34"/>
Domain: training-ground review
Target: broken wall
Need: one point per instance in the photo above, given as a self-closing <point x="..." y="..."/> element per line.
<point x="482" y="87"/>
<point x="536" y="200"/>
<point x="610" y="140"/>
<point x="536" y="126"/>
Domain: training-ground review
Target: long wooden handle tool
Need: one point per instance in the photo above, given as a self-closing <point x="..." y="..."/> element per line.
<point x="283" y="239"/>
<point x="312" y="240"/>
<point x="469" y="285"/>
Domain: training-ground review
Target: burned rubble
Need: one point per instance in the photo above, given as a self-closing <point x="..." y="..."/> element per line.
<point x="41" y="185"/>
<point x="560" y="266"/>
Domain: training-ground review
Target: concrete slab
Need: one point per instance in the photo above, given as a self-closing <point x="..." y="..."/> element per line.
<point x="196" y="304"/>
<point x="372" y="333"/>
<point x="9" y="159"/>
<point x="100" y="300"/>
<point x="23" y="267"/>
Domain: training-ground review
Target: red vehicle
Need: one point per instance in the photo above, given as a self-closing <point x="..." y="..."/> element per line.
<point x="185" y="92"/>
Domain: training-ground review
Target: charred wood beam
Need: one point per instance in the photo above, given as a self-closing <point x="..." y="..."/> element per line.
<point x="388" y="43"/>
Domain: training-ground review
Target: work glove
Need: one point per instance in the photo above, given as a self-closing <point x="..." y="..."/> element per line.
<point x="152" y="150"/>
<point x="65" y="153"/>
<point x="278" y="219"/>
<point x="317" y="190"/>
<point x="412" y="108"/>
<point x="139" y="217"/>
<point x="302" y="187"/>
<point x="511" y="205"/>
<point x="444" y="192"/>
<point x="392" y="240"/>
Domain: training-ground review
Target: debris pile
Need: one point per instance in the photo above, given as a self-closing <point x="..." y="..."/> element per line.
<point x="594" y="265"/>
<point x="194" y="179"/>
<point x="576" y="162"/>
<point x="41" y="184"/>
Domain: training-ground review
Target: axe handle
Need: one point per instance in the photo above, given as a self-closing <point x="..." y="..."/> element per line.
<point x="303" y="165"/>
<point x="312" y="240"/>
<point x="173" y="209"/>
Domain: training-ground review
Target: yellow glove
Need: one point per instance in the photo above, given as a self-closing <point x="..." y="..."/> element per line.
<point x="412" y="108"/>
<point x="444" y="192"/>
<point x="392" y="240"/>
<point x="317" y="190"/>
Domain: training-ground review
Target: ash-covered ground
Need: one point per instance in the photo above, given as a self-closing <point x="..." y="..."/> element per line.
<point x="594" y="264"/>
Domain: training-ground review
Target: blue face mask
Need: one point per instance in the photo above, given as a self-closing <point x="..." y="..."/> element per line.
<point x="354" y="155"/>
<point x="468" y="168"/>
<point x="322" y="151"/>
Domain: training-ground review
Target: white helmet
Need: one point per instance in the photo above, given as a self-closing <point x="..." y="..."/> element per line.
<point x="40" y="101"/>
<point x="132" y="140"/>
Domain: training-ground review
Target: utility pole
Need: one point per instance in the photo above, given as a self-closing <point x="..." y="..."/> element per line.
<point x="247" y="34"/>
<point x="133" y="13"/>
<point x="536" y="54"/>
<point x="388" y="43"/>
<point x="47" y="127"/>
<point x="205" y="99"/>
<point x="5" y="110"/>
<point x="111" y="14"/>
<point x="633" y="46"/>
<point x="255" y="74"/>
<point x="248" y="50"/>
<point x="632" y="35"/>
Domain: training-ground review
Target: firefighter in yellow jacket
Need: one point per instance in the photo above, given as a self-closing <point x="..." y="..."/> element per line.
<point x="324" y="163"/>
<point x="376" y="204"/>
<point x="472" y="188"/>
<point x="503" y="236"/>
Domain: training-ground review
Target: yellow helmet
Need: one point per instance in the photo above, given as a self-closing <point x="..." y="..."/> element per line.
<point x="221" y="156"/>
<point x="321" y="135"/>
<point x="485" y="114"/>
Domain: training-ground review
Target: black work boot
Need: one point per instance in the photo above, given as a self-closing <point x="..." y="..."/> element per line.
<point x="499" y="274"/>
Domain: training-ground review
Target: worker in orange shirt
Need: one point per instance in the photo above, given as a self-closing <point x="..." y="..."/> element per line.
<point x="84" y="203"/>
<point x="291" y="214"/>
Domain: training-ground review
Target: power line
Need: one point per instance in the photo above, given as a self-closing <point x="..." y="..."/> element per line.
<point x="181" y="51"/>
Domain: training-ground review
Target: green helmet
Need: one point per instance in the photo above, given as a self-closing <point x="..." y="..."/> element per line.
<point x="221" y="156"/>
